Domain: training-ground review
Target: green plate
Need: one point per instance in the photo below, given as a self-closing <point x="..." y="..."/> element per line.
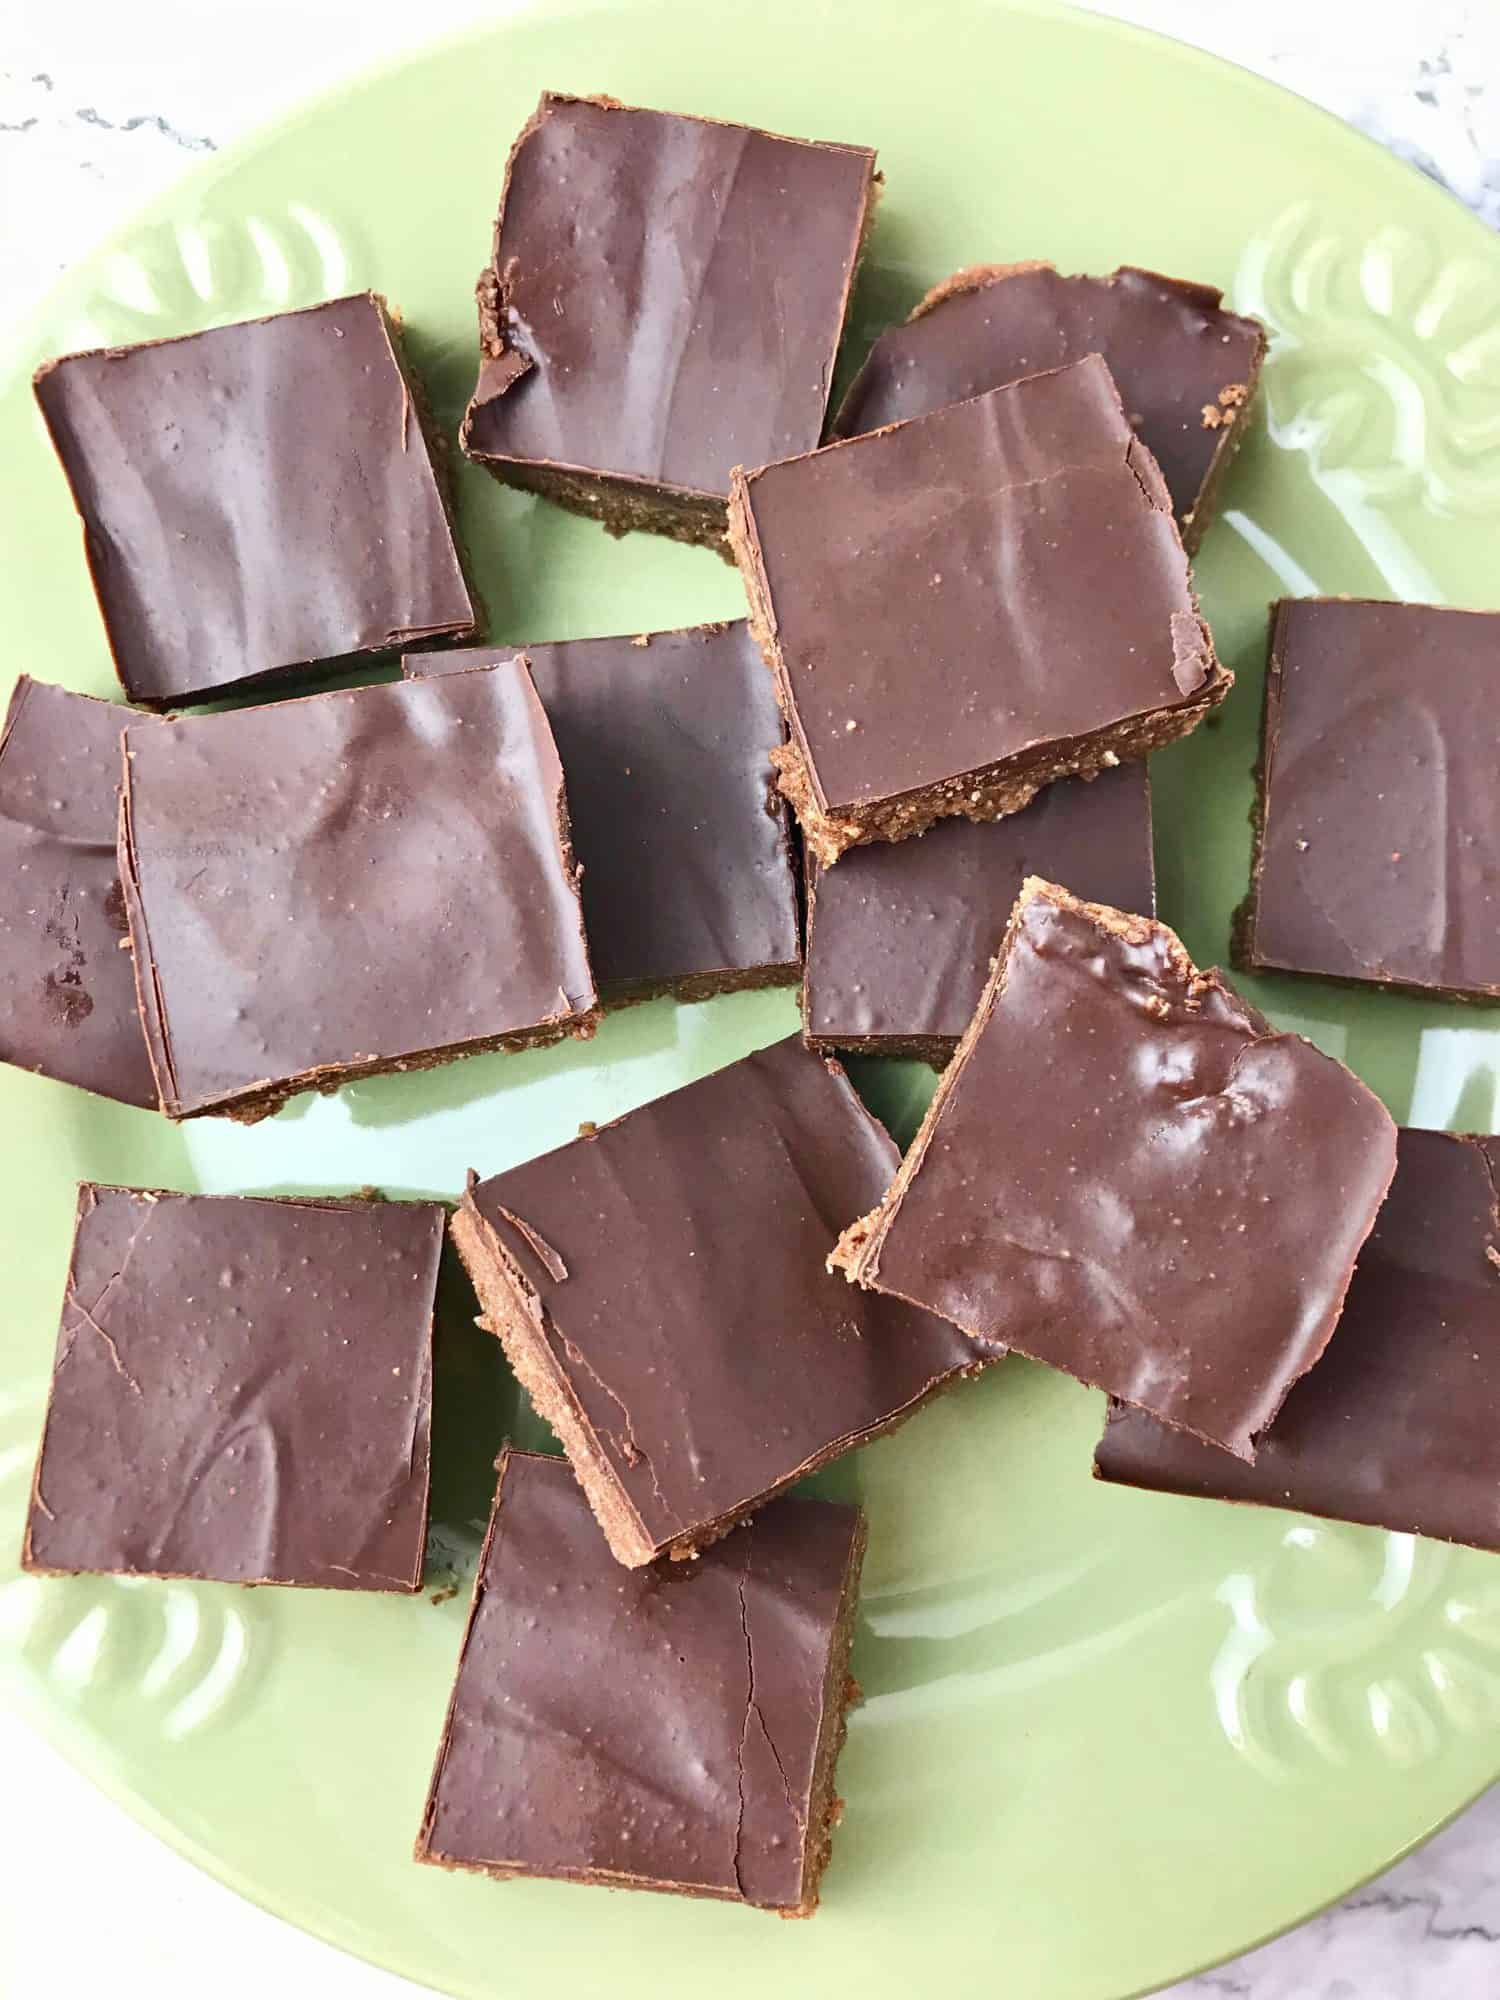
<point x="1108" y="1737"/>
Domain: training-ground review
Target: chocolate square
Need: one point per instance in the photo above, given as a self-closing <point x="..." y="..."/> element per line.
<point x="369" y="880"/>
<point x="1398" y="1426"/>
<point x="962" y="608"/>
<point x="1128" y="1173"/>
<point x="1186" y="368"/>
<point x="1377" y="854"/>
<point x="242" y="1392"/>
<point x="671" y="1728"/>
<point x="256" y="499"/>
<point x="901" y="935"/>
<point x="688" y="884"/>
<point x="664" y="303"/>
<point x="660" y="1289"/>
<point x="67" y="986"/>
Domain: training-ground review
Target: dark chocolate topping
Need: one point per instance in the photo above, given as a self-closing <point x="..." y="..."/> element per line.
<point x="67" y="985"/>
<point x="1127" y="1173"/>
<point x="242" y="1391"/>
<point x="901" y="935"/>
<point x="1185" y="367"/>
<point x="685" y="848"/>
<point x="1399" y="1424"/>
<point x="956" y="590"/>
<point x="352" y="879"/>
<point x="712" y="1355"/>
<point x="658" y="1727"/>
<point x="1379" y="856"/>
<point x="255" y="498"/>
<point x="666" y="295"/>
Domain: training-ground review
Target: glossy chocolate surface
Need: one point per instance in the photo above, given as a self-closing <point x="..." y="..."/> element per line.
<point x="255" y="498"/>
<point x="685" y="847"/>
<point x="1127" y="1173"/>
<point x="655" y="1728"/>
<point x="67" y="985"/>
<point x="1185" y="367"/>
<point x="1379" y="852"/>
<point x="1399" y="1424"/>
<point x="242" y="1392"/>
<point x="711" y="1357"/>
<point x="900" y="935"/>
<point x="666" y="294"/>
<point x="956" y="591"/>
<point x="345" y="883"/>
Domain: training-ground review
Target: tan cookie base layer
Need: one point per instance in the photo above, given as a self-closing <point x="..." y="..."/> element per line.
<point x="992" y="792"/>
<point x="695" y="986"/>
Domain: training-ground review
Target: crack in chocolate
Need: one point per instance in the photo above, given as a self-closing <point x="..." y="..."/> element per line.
<point x="1492" y="1248"/>
<point x="755" y="1706"/>
<point x="549" y="1259"/>
<point x="625" y="1439"/>
<point x="88" y="1313"/>
<point x="83" y="1313"/>
<point x="754" y="1712"/>
<point x="739" y="1755"/>
<point x="1132" y="452"/>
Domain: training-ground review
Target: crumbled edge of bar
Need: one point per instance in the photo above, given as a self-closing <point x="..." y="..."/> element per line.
<point x="690" y="987"/>
<point x="259" y="1101"/>
<point x="934" y="1050"/>
<point x="993" y="791"/>
<point x="1231" y="435"/>
<point x="989" y="792"/>
<point x="620" y="506"/>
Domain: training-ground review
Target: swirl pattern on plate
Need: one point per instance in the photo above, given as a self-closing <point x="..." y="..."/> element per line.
<point x="206" y="270"/>
<point x="1346" y="1641"/>
<point x="1384" y="360"/>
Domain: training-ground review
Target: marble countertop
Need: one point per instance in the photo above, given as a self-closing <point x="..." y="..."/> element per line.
<point x="102" y="106"/>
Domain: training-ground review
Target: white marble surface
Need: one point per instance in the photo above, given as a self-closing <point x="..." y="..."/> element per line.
<point x="101" y="106"/>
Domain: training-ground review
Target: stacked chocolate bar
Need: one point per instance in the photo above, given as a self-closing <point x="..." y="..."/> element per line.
<point x="912" y="779"/>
